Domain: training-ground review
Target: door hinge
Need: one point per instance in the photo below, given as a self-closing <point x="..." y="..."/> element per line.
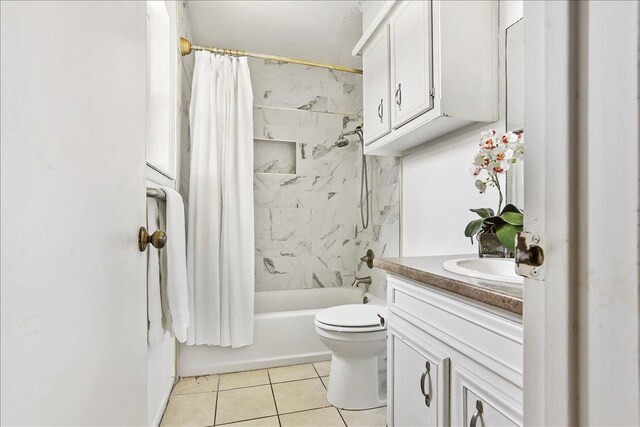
<point x="432" y="92"/>
<point x="530" y="255"/>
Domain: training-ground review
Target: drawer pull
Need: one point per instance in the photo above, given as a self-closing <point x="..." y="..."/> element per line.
<point x="381" y="110"/>
<point x="427" y="396"/>
<point x="399" y="97"/>
<point x="477" y="414"/>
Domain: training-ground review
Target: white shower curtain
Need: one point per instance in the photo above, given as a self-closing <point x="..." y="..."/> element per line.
<point x="220" y="244"/>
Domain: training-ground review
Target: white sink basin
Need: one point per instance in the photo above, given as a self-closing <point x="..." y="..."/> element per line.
<point x="494" y="269"/>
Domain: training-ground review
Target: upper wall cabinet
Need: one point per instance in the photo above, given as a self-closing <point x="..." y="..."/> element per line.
<point x="376" y="86"/>
<point x="434" y="65"/>
<point x="411" y="61"/>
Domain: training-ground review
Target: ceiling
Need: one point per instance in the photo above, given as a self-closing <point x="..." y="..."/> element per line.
<point x="324" y="31"/>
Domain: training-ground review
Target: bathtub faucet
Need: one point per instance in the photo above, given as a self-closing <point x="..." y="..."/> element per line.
<point x="364" y="280"/>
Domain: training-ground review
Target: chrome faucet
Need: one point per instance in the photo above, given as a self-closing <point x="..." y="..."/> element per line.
<point x="364" y="280"/>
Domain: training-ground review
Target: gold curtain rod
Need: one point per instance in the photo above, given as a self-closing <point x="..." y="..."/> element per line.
<point x="186" y="48"/>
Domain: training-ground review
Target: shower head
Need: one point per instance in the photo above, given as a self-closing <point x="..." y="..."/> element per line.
<point x="342" y="142"/>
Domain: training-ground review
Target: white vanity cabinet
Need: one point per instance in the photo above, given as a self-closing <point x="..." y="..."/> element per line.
<point x="451" y="360"/>
<point x="440" y="73"/>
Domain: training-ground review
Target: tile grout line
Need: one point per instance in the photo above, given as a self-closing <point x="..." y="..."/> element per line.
<point x="242" y="421"/>
<point x="249" y="386"/>
<point x="329" y="405"/>
<point x="341" y="417"/>
<point x="273" y="394"/>
<point x="325" y="387"/>
<point x="318" y="373"/>
<point x="215" y="413"/>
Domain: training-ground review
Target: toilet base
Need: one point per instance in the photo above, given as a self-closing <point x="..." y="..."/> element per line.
<point x="355" y="383"/>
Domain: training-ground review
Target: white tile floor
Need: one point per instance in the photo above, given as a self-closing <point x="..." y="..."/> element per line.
<point x="289" y="396"/>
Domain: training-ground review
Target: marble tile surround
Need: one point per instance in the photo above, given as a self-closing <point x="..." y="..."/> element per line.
<point x="308" y="231"/>
<point x="307" y="225"/>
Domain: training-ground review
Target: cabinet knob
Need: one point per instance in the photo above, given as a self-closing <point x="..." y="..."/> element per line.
<point x="477" y="414"/>
<point x="158" y="239"/>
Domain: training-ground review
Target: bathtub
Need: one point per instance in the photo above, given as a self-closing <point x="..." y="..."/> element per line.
<point x="284" y="333"/>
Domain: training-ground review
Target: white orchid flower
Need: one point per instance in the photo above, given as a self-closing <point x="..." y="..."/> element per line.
<point x="498" y="167"/>
<point x="480" y="160"/>
<point x="504" y="153"/>
<point x="509" y="138"/>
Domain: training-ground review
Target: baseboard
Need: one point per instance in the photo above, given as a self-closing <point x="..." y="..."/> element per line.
<point x="255" y="364"/>
<point x="163" y="405"/>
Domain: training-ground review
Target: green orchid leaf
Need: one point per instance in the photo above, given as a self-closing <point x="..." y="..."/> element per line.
<point x="513" y="218"/>
<point x="483" y="212"/>
<point x="473" y="227"/>
<point x="507" y="235"/>
<point x="510" y="208"/>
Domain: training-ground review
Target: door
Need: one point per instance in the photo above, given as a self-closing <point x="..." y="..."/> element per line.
<point x="411" y="56"/>
<point x="375" y="62"/>
<point x="416" y="388"/>
<point x="73" y="293"/>
<point x="581" y="308"/>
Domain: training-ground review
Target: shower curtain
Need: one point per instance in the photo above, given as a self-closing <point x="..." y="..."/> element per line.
<point x="220" y="243"/>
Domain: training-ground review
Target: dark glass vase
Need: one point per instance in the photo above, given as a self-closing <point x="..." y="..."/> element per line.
<point x="489" y="246"/>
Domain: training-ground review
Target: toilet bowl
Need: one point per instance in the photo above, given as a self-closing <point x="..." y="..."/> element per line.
<point x="354" y="334"/>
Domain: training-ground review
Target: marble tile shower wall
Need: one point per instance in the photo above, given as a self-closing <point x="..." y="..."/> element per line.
<point x="383" y="233"/>
<point x="306" y="230"/>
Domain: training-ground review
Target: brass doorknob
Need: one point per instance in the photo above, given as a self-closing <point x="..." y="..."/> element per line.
<point x="158" y="239"/>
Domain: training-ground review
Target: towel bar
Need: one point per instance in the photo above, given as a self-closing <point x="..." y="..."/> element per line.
<point x="156" y="193"/>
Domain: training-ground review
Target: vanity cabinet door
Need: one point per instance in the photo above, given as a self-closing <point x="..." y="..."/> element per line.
<point x="479" y="413"/>
<point x="481" y="399"/>
<point x="411" y="56"/>
<point x="416" y="386"/>
<point x="375" y="62"/>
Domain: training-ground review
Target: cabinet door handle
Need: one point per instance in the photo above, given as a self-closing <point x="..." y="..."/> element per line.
<point x="399" y="97"/>
<point x="477" y="414"/>
<point x="427" y="396"/>
<point x="381" y="110"/>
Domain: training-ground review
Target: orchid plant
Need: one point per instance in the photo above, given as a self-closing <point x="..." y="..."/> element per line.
<point x="493" y="160"/>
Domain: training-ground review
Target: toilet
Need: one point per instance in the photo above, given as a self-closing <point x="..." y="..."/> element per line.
<point x="357" y="337"/>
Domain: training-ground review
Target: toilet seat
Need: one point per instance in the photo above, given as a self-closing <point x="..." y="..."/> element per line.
<point x="351" y="318"/>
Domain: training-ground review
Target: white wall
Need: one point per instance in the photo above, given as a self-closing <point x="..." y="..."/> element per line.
<point x="437" y="189"/>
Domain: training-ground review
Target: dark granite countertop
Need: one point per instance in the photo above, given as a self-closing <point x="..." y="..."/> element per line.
<point x="428" y="270"/>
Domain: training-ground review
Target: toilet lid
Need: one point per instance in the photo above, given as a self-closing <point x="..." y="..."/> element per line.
<point x="351" y="315"/>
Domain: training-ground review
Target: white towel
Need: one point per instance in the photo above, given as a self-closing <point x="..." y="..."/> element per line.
<point x="174" y="265"/>
<point x="154" y="303"/>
